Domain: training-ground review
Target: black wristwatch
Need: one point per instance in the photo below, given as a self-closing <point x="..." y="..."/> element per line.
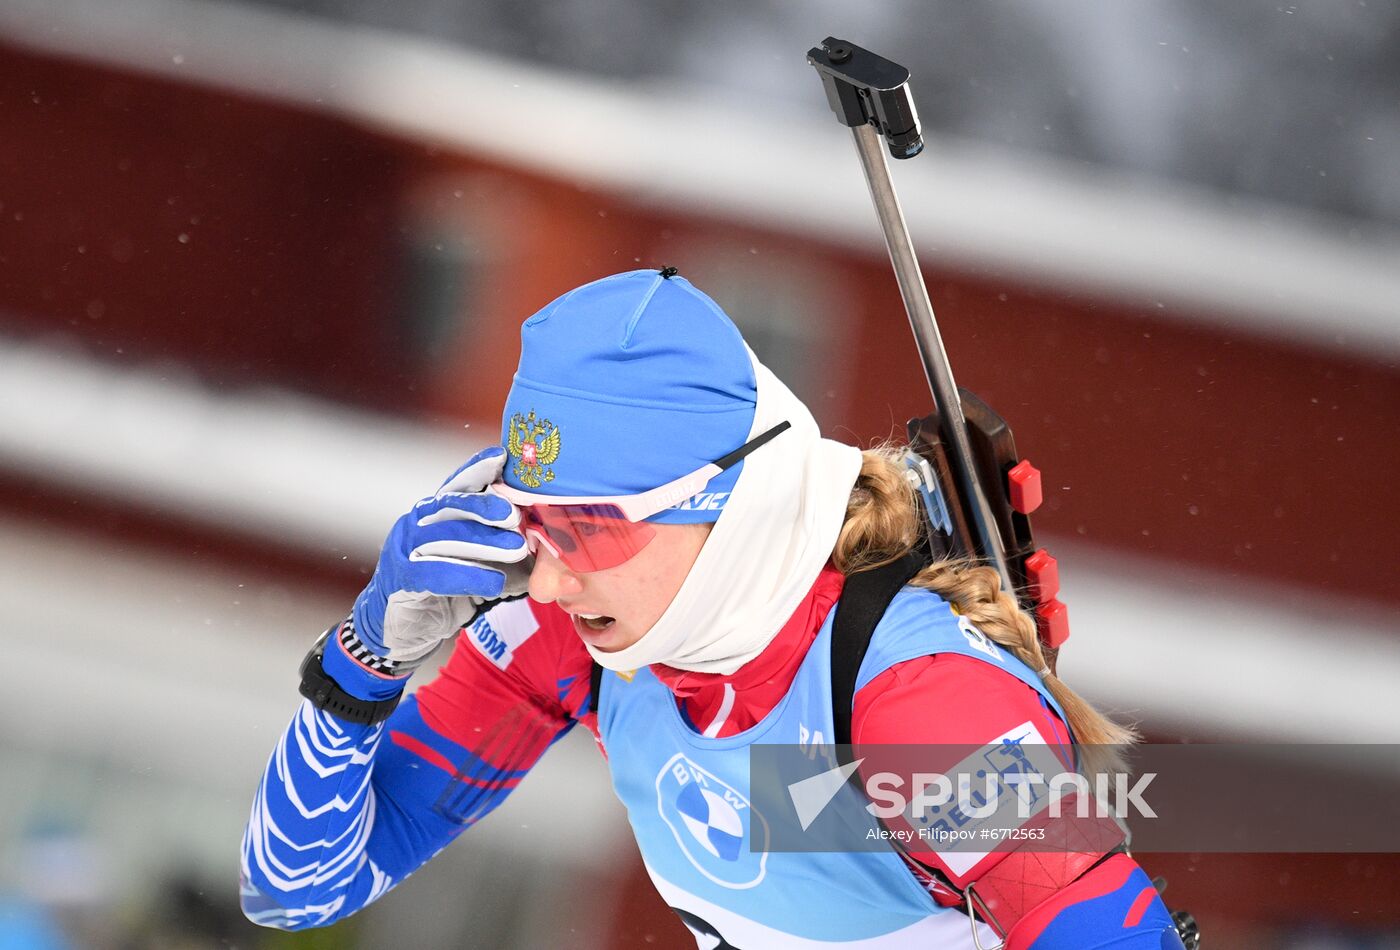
<point x="325" y="693"/>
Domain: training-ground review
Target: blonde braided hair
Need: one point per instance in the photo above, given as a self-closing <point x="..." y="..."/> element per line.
<point x="885" y="521"/>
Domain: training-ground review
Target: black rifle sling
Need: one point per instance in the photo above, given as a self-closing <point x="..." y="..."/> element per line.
<point x="863" y="602"/>
<point x="595" y="686"/>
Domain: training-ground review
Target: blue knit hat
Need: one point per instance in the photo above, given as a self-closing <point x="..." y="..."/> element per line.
<point x="625" y="384"/>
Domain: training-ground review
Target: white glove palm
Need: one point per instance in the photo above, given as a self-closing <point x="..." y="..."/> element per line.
<point x="453" y="553"/>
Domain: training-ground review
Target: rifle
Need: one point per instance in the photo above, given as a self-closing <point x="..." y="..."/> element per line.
<point x="978" y="493"/>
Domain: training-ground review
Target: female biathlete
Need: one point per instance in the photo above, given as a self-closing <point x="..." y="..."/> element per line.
<point x="676" y="519"/>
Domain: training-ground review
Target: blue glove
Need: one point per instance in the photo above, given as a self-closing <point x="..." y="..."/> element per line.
<point x="445" y="559"/>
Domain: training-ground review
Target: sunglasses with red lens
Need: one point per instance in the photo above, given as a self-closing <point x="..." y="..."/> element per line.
<point x="596" y="533"/>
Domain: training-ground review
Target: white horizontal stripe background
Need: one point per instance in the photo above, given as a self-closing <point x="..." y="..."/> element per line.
<point x="1189" y="648"/>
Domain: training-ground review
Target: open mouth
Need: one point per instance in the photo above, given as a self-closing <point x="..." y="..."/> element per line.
<point x="594" y="622"/>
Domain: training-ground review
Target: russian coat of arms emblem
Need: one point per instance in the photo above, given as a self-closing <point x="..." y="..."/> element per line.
<point x="534" y="443"/>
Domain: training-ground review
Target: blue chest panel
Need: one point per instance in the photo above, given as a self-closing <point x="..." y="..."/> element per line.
<point x="687" y="799"/>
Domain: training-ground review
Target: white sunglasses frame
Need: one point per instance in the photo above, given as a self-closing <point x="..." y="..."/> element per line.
<point x="643" y="505"/>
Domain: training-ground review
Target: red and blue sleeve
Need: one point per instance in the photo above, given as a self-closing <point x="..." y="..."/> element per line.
<point x="341" y="815"/>
<point x="953" y="700"/>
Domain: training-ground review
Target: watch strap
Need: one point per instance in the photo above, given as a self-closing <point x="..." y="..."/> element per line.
<point x="326" y="694"/>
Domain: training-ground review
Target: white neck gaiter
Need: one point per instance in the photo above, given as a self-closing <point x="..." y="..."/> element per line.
<point x="763" y="555"/>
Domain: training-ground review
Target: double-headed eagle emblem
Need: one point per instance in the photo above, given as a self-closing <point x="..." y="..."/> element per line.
<point x="535" y="443"/>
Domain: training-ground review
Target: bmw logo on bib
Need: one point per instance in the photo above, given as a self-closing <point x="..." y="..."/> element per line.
<point x="711" y="821"/>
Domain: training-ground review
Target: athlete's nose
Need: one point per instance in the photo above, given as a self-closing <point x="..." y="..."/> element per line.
<point x="550" y="579"/>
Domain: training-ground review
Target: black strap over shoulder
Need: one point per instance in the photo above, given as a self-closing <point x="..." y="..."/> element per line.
<point x="595" y="686"/>
<point x="863" y="602"/>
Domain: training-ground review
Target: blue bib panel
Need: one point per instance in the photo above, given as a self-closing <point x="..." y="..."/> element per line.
<point x="687" y="799"/>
